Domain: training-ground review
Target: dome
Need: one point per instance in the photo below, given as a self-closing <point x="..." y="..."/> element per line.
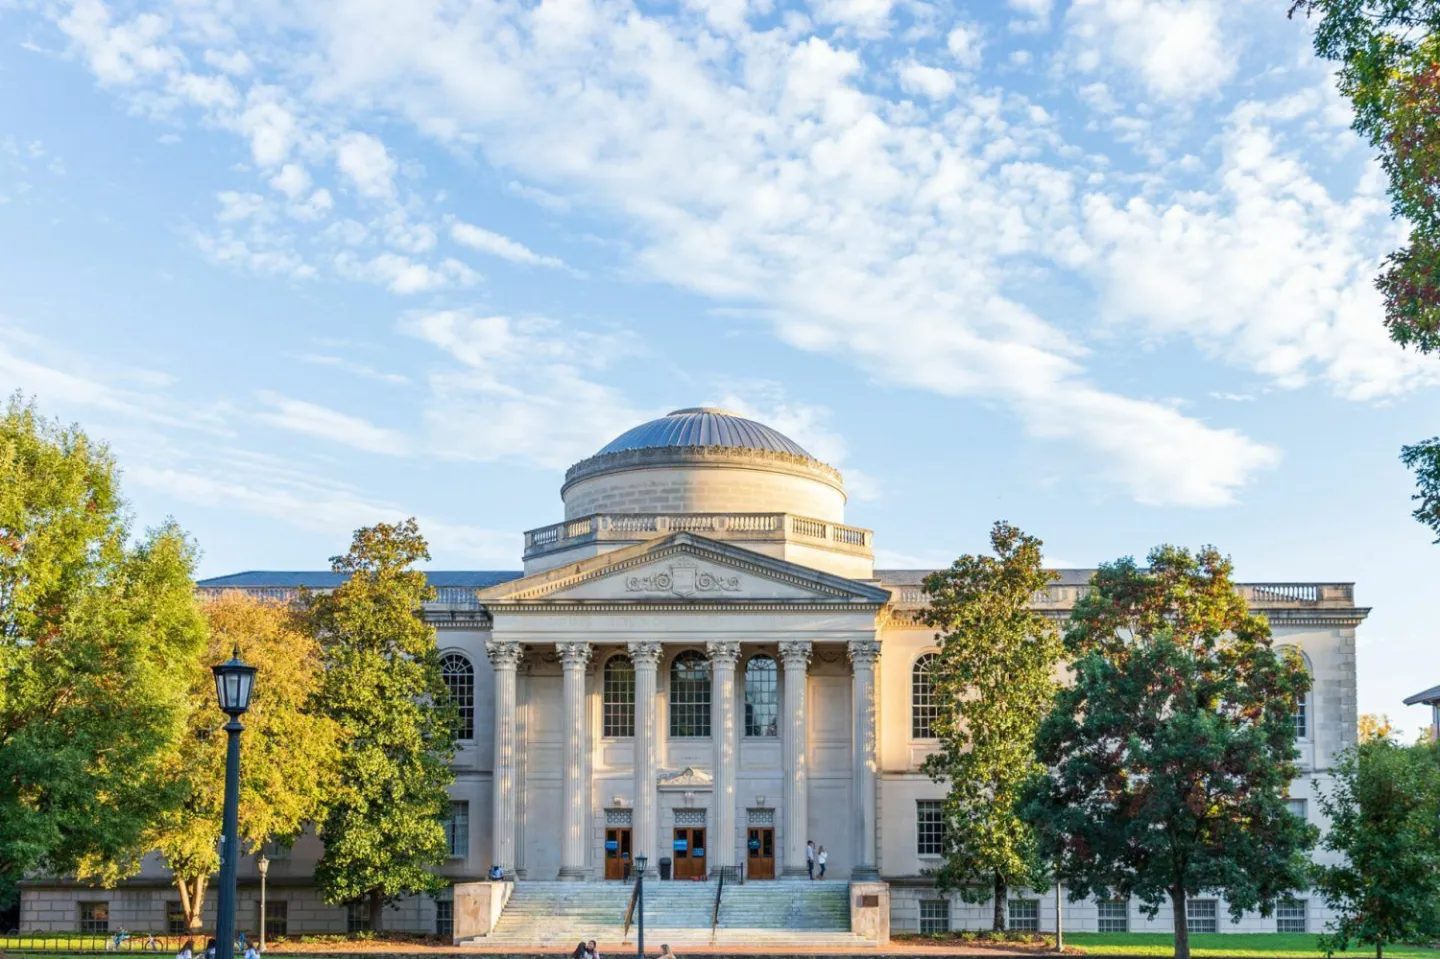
<point x="703" y="426"/>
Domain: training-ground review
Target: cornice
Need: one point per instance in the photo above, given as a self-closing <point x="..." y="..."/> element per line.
<point x="702" y="457"/>
<point x="680" y="606"/>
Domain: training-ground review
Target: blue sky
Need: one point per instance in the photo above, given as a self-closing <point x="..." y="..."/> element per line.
<point x="1099" y="268"/>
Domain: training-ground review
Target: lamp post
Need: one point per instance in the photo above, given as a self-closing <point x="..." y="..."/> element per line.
<point x="263" y="864"/>
<point x="640" y="863"/>
<point x="233" y="683"/>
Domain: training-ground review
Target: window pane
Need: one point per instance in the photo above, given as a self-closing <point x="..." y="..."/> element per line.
<point x="924" y="709"/>
<point x="174" y="918"/>
<point x="618" y="703"/>
<point x="1290" y="916"/>
<point x="929" y="828"/>
<point x="459" y="678"/>
<point x="1114" y="915"/>
<point x="1025" y="915"/>
<point x="934" y="915"/>
<point x="762" y="697"/>
<point x="357" y="916"/>
<point x="1298" y="807"/>
<point x="444" y="919"/>
<point x="277" y="918"/>
<point x="457" y="830"/>
<point x="690" y="695"/>
<point x="1202" y="915"/>
<point x="1302" y="719"/>
<point x="94" y="917"/>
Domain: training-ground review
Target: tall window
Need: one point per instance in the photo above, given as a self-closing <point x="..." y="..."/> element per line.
<point x="357" y="916"/>
<point x="459" y="678"/>
<point x="762" y="697"/>
<point x="690" y="695"/>
<point x="277" y="918"/>
<point x="618" y="702"/>
<point x="457" y="830"/>
<point x="929" y="828"/>
<point x="1302" y="717"/>
<point x="924" y="707"/>
<point x="444" y="919"/>
<point x="175" y="917"/>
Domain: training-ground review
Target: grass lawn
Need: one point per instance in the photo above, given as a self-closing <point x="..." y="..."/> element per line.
<point x="1260" y="945"/>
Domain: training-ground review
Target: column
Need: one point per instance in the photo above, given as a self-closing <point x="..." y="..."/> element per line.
<point x="863" y="654"/>
<point x="575" y="788"/>
<point x="646" y="657"/>
<point x="505" y="658"/>
<point x="795" y="656"/>
<point x="723" y="731"/>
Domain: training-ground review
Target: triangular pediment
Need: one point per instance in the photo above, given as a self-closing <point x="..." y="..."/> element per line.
<point x="684" y="567"/>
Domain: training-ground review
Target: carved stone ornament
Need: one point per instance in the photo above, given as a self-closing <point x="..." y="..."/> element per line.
<point x="723" y="652"/>
<point x="864" y="652"/>
<point x="683" y="579"/>
<point x="795" y="653"/>
<point x="645" y="654"/>
<point x="574" y="655"/>
<point x="687" y="778"/>
<point x="504" y="653"/>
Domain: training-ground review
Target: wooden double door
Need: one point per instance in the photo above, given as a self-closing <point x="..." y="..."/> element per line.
<point x="617" y="852"/>
<point x="760" y="852"/>
<point x="689" y="853"/>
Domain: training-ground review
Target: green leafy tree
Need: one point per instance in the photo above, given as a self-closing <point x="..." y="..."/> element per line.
<point x="1168" y="760"/>
<point x="382" y="684"/>
<point x="996" y="672"/>
<point x="98" y="635"/>
<point x="1384" y="813"/>
<point x="291" y="748"/>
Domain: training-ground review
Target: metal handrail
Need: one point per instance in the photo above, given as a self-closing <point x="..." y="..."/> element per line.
<point x="630" y="911"/>
<point x="715" y="916"/>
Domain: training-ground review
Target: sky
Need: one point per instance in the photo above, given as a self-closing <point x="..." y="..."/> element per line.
<point x="1102" y="269"/>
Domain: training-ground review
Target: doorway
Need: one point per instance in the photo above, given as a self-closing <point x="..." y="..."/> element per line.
<point x="689" y="852"/>
<point x="760" y="853"/>
<point x="617" y="852"/>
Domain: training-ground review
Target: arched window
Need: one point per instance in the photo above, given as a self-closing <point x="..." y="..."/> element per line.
<point x="1302" y="708"/>
<point x="924" y="707"/>
<point x="690" y="695"/>
<point x="762" y="697"/>
<point x="459" y="678"/>
<point x="618" y="700"/>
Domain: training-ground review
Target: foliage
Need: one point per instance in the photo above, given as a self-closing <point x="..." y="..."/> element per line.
<point x="998" y="664"/>
<point x="97" y="634"/>
<point x="290" y="749"/>
<point x="382" y="684"/>
<point x="1384" y="813"/>
<point x="1168" y="760"/>
<point x="1374" y="726"/>
<point x="1424" y="459"/>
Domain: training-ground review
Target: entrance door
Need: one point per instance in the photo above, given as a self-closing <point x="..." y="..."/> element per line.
<point x="690" y="852"/>
<point x="760" y="853"/>
<point x="617" y="851"/>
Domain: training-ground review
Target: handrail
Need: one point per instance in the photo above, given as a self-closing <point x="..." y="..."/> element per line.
<point x="630" y="911"/>
<point x="715" y="916"/>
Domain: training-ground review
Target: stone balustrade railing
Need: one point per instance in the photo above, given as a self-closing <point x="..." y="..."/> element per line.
<point x="1256" y="595"/>
<point x="727" y="526"/>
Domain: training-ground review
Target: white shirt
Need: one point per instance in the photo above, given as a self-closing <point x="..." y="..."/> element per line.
<point x="809" y="853"/>
<point x="822" y="857"/>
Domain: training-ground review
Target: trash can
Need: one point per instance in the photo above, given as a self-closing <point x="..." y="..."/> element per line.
<point x="664" y="867"/>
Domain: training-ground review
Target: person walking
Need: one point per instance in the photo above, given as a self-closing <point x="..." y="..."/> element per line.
<point x="810" y="858"/>
<point x="821" y="858"/>
<point x="187" y="951"/>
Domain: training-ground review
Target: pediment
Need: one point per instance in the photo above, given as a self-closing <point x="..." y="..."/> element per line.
<point x="684" y="568"/>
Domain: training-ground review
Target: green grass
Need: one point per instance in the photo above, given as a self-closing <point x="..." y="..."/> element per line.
<point x="1259" y="945"/>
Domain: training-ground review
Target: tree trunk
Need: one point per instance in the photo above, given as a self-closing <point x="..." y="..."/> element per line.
<point x="376" y="911"/>
<point x="192" y="902"/>
<point x="1182" y="925"/>
<point x="1001" y="890"/>
<point x="1379" y="950"/>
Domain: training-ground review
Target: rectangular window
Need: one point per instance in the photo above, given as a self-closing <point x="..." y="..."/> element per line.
<point x="444" y="919"/>
<point x="357" y="916"/>
<point x="1202" y="915"/>
<point x="934" y="915"/>
<point x="94" y="917"/>
<point x="1290" y="916"/>
<point x="1298" y="807"/>
<point x="457" y="830"/>
<point x="1024" y="915"/>
<point x="277" y="918"/>
<point x="929" y="827"/>
<point x="1302" y="719"/>
<point x="1113" y="915"/>
<point x="618" y="699"/>
<point x="275" y="851"/>
<point x="174" y="918"/>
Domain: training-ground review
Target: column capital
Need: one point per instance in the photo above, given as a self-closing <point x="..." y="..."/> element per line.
<point x="863" y="652"/>
<point x="795" y="653"/>
<point x="574" y="655"/>
<point x="504" y="653"/>
<point x="723" y="652"/>
<point x="645" y="654"/>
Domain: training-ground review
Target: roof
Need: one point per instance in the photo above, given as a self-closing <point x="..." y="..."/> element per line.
<point x="1430" y="697"/>
<point x="703" y="426"/>
<point x="322" y="579"/>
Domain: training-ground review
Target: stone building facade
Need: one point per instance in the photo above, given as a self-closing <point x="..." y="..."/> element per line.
<point x="701" y="662"/>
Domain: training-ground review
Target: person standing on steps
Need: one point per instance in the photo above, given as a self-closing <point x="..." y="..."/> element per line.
<point x="821" y="858"/>
<point x="810" y="858"/>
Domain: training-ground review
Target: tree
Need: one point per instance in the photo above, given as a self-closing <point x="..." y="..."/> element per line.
<point x="1384" y="813"/>
<point x="291" y="757"/>
<point x="383" y="833"/>
<point x="1168" y="760"/>
<point x="97" y="636"/>
<point x="996" y="673"/>
<point x="1373" y="726"/>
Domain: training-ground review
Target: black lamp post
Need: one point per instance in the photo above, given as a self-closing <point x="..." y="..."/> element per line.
<point x="640" y="863"/>
<point x="233" y="683"/>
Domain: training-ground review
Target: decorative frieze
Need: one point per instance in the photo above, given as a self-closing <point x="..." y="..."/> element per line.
<point x="683" y="579"/>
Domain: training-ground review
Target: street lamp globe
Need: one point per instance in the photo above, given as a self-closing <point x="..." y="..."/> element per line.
<point x="233" y="682"/>
<point x="640" y="862"/>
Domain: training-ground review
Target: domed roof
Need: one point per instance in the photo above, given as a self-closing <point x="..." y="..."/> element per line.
<point x="702" y="426"/>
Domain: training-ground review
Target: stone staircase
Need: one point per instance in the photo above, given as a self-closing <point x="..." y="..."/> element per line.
<point x="785" y="913"/>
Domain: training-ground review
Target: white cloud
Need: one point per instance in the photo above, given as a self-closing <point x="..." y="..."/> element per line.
<point x="369" y="167"/>
<point x="309" y="419"/>
<point x="1177" y="47"/>
<point x="357" y="369"/>
<point x="932" y="82"/>
<point x="866" y="17"/>
<point x="233" y="61"/>
<point x="403" y="275"/>
<point x="119" y="53"/>
<point x="478" y="238"/>
<point x="966" y="44"/>
<point x="292" y="180"/>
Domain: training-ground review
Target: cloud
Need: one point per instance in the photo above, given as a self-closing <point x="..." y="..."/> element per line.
<point x="309" y="419"/>
<point x="119" y="53"/>
<point x="368" y="166"/>
<point x="357" y="369"/>
<point x="405" y="276"/>
<point x="932" y="82"/>
<point x="477" y="238"/>
<point x="1178" y="48"/>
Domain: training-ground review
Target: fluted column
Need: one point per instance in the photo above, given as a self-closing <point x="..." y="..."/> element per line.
<point x="723" y="730"/>
<point x="646" y="657"/>
<point x="505" y="658"/>
<point x="575" y="789"/>
<point x="795" y="655"/>
<point x="863" y="654"/>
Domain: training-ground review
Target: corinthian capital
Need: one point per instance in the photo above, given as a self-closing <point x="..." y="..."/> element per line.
<point x="645" y="654"/>
<point x="723" y="652"/>
<point x="504" y="653"/>
<point x="574" y="655"/>
<point x="795" y="653"/>
<point x="863" y="653"/>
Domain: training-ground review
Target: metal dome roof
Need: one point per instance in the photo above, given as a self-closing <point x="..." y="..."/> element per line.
<point x="702" y="426"/>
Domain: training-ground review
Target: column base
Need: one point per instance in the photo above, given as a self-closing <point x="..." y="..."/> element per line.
<point x="572" y="874"/>
<point x="864" y="874"/>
